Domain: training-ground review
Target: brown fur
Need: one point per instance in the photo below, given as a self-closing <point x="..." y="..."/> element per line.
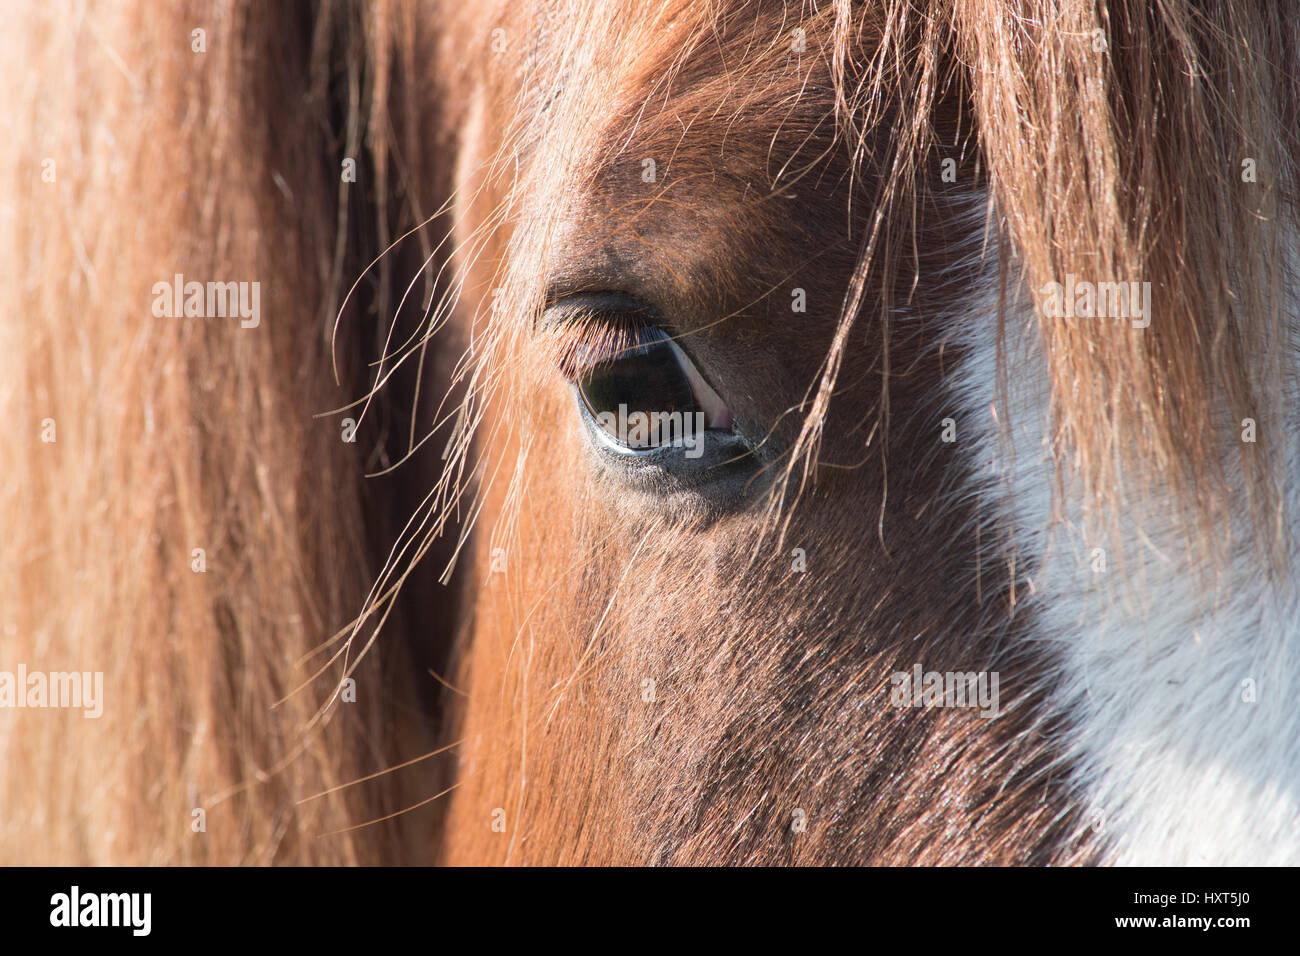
<point x="777" y="170"/>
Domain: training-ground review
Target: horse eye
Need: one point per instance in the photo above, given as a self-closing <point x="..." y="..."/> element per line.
<point x="650" y="395"/>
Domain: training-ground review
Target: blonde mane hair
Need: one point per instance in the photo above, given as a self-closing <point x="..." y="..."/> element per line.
<point x="222" y="686"/>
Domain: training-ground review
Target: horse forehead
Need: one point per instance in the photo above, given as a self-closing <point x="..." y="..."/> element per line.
<point x="657" y="153"/>
<point x="658" y="68"/>
<point x="689" y="145"/>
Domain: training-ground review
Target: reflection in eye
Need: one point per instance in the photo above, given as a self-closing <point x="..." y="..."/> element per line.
<point x="649" y="394"/>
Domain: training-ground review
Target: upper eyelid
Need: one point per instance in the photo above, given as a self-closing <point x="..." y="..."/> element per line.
<point x="583" y="329"/>
<point x="577" y="348"/>
<point x="594" y="305"/>
<point x="599" y="302"/>
<point x="586" y="308"/>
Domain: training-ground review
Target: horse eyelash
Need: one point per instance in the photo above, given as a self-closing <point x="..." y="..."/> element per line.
<point x="586" y="339"/>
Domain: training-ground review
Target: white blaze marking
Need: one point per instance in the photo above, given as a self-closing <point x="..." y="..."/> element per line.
<point x="1178" y="768"/>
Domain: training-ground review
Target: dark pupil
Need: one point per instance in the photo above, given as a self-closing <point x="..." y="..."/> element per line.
<point x="646" y="378"/>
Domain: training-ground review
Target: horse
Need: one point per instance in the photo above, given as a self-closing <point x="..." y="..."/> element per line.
<point x="657" y="432"/>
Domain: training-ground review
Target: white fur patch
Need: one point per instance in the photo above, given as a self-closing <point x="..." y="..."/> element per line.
<point x="1177" y="765"/>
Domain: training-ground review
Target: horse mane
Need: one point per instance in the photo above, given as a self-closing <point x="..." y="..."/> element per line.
<point x="172" y="434"/>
